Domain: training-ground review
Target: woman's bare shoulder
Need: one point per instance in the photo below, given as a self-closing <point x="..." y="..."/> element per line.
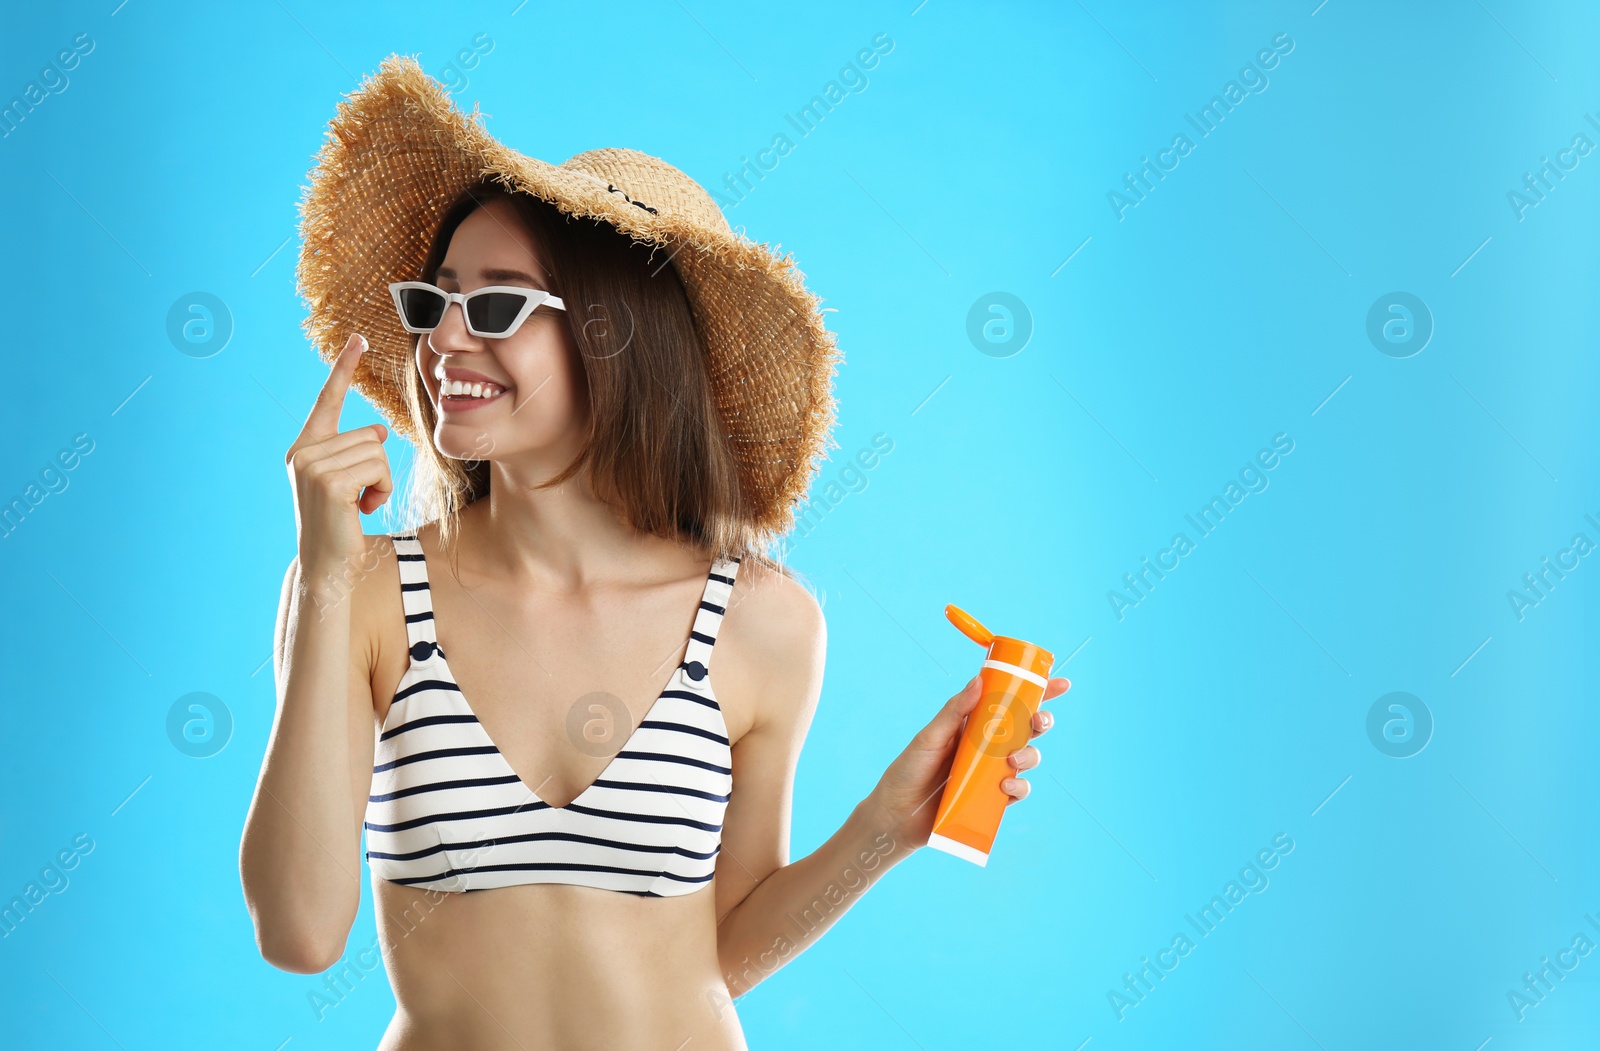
<point x="773" y="637"/>
<point x="775" y="602"/>
<point x="373" y="579"/>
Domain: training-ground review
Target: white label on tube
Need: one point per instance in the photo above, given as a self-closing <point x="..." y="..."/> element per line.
<point x="1021" y="673"/>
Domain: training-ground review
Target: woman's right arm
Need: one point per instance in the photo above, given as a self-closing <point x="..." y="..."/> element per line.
<point x="300" y="856"/>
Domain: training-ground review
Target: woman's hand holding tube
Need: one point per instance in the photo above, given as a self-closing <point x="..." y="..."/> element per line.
<point x="907" y="795"/>
<point x="336" y="476"/>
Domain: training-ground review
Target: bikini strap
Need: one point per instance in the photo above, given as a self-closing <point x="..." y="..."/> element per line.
<point x="415" y="597"/>
<point x="708" y="618"/>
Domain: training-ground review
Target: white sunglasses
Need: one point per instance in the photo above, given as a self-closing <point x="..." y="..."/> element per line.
<point x="492" y="313"/>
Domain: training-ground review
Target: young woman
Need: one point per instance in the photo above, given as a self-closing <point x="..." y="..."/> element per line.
<point x="565" y="853"/>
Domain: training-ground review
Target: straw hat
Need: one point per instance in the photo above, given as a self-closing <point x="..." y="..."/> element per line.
<point x="398" y="151"/>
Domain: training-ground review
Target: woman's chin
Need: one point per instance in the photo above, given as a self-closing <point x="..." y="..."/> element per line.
<point x="457" y="442"/>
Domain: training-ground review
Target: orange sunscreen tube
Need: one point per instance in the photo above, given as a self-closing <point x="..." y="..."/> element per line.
<point x="1013" y="680"/>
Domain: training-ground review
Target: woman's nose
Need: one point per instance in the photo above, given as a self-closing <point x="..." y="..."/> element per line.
<point x="451" y="335"/>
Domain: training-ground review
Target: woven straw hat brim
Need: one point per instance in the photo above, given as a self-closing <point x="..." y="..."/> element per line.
<point x="398" y="151"/>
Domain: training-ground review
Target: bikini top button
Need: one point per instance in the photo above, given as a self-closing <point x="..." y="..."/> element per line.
<point x="695" y="670"/>
<point x="422" y="651"/>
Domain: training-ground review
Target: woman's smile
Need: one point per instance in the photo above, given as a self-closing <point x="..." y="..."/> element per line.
<point x="462" y="390"/>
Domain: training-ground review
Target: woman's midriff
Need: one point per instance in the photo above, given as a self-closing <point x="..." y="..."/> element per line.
<point x="548" y="965"/>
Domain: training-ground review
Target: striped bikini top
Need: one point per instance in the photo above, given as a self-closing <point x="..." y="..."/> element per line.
<point x="447" y="812"/>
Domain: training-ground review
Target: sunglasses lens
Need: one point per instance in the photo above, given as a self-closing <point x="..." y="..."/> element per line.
<point x="493" y="312"/>
<point x="422" y="307"/>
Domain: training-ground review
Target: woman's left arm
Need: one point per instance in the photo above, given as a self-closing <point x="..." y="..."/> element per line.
<point x="770" y="910"/>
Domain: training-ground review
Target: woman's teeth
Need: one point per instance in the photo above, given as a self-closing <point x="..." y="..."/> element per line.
<point x="456" y="388"/>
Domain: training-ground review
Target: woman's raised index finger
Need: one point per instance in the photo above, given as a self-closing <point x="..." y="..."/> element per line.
<point x="323" y="420"/>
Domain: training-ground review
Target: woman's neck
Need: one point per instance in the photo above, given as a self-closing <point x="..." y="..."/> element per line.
<point x="564" y="536"/>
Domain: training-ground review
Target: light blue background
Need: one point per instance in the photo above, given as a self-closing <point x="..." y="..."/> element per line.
<point x="1227" y="707"/>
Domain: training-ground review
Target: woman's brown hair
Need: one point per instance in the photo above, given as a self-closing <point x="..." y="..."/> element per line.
<point x="655" y="450"/>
